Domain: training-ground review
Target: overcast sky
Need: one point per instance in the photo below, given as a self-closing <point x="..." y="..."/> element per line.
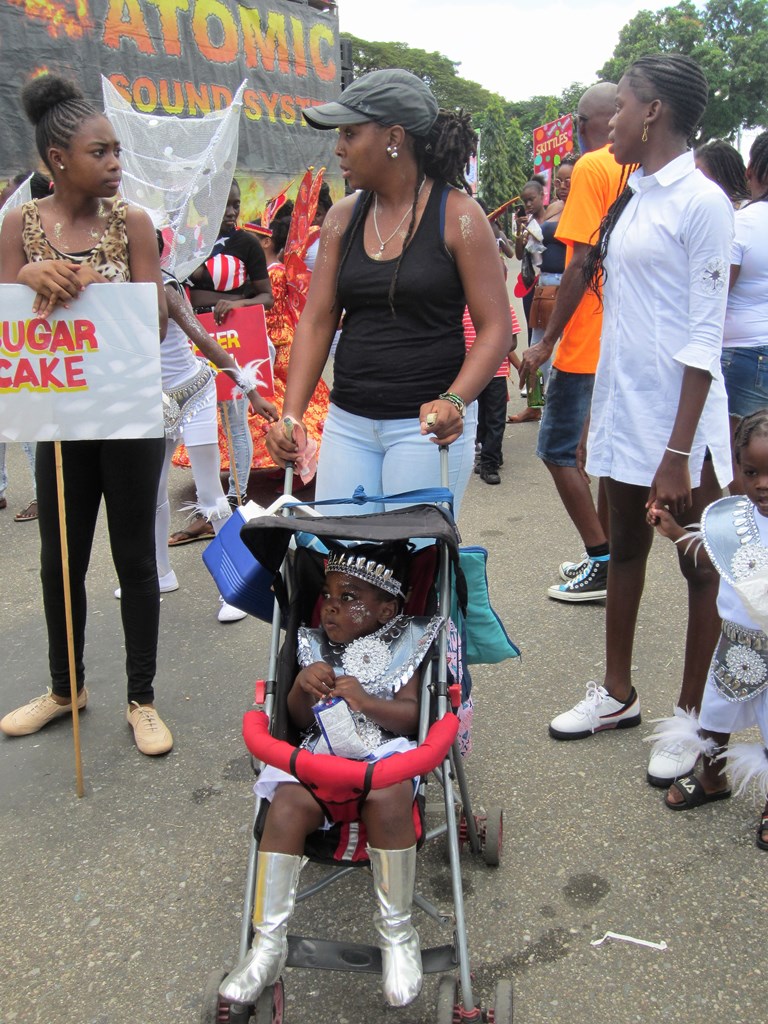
<point x="517" y="49"/>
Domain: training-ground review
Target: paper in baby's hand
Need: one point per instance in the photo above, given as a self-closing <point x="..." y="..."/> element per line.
<point x="338" y="729"/>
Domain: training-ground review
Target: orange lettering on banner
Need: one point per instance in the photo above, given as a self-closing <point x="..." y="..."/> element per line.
<point x="175" y="105"/>
<point x="318" y="35"/>
<point x="168" y="11"/>
<point x="218" y="12"/>
<point x="121" y="83"/>
<point x="198" y="99"/>
<point x="117" y="27"/>
<point x="268" y="47"/>
<point x="299" y="52"/>
<point x="145" y="95"/>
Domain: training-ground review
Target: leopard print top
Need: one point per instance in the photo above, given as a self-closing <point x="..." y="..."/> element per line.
<point x="108" y="258"/>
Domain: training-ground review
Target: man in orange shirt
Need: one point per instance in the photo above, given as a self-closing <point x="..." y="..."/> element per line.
<point x="577" y="316"/>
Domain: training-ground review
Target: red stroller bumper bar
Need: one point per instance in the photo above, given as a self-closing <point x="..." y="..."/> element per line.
<point x="338" y="781"/>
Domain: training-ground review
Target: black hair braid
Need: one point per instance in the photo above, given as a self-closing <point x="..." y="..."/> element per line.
<point x="354" y="227"/>
<point x="754" y="425"/>
<point x="593" y="270"/>
<point x="445" y="153"/>
<point x="758" y="162"/>
<point x="676" y="80"/>
<point x="57" y="108"/>
<point x="408" y="235"/>
<point x="726" y="167"/>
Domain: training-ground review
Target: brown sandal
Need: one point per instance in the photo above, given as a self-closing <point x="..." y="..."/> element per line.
<point x="28" y="515"/>
<point x="198" y="529"/>
<point x="527" y="416"/>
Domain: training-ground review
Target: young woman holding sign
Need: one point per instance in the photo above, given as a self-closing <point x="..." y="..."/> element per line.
<point x="80" y="236"/>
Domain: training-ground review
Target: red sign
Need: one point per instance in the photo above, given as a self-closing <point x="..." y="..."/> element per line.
<point x="551" y="142"/>
<point x="243" y="334"/>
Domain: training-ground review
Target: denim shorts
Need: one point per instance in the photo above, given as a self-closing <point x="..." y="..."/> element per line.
<point x="568" y="399"/>
<point x="745" y="371"/>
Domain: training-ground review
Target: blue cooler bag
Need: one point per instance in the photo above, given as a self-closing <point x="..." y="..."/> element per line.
<point x="242" y="581"/>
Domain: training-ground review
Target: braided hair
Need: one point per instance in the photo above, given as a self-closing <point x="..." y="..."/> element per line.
<point x="57" y="108"/>
<point x="758" y="163"/>
<point x="443" y="155"/>
<point x="726" y="168"/>
<point x="682" y="86"/>
<point x="755" y="425"/>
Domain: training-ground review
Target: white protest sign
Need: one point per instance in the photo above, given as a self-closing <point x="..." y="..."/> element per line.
<point x="88" y="372"/>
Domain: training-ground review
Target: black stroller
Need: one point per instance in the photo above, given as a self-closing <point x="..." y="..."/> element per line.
<point x="298" y="574"/>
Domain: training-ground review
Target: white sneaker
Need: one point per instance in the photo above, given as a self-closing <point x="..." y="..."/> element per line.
<point x="228" y="612"/>
<point x="568" y="571"/>
<point x="168" y="584"/>
<point x="669" y="763"/>
<point x="598" y="711"/>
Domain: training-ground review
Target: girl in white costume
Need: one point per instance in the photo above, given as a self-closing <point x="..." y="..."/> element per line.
<point x="733" y="539"/>
<point x="367" y="654"/>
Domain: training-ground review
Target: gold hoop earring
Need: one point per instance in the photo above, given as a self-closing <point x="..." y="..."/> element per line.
<point x="644" y="137"/>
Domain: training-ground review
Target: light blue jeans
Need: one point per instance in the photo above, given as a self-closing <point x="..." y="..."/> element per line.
<point x="241" y="452"/>
<point x="387" y="457"/>
<point x="29" y="451"/>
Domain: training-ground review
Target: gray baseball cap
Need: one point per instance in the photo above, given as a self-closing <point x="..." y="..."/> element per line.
<point x="391" y="96"/>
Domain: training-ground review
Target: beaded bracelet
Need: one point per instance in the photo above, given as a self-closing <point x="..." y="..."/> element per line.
<point x="456" y="401"/>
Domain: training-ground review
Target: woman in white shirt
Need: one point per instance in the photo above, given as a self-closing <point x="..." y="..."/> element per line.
<point x="745" y="341"/>
<point x="659" y="402"/>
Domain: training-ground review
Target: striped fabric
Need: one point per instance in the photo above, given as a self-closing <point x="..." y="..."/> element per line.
<point x="227" y="272"/>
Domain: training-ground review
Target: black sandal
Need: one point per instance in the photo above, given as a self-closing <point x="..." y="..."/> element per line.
<point x="694" y="794"/>
<point x="762" y="844"/>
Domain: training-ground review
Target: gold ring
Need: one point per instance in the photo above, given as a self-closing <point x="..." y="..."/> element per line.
<point x="431" y="419"/>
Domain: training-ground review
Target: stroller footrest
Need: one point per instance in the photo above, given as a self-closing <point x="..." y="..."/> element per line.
<point x="325" y="955"/>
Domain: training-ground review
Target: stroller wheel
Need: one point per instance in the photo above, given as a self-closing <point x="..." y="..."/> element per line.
<point x="215" y="1010"/>
<point x="446" y="1000"/>
<point x="501" y="1011"/>
<point x="494" y="829"/>
<point x="270" y="1005"/>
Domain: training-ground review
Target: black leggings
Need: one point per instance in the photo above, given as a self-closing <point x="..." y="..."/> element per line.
<point x="127" y="474"/>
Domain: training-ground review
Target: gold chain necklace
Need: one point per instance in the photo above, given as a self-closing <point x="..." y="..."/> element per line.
<point x="383" y="242"/>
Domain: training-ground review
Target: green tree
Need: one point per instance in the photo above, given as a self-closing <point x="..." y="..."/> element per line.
<point x="729" y="38"/>
<point x="495" y="157"/>
<point x="439" y="72"/>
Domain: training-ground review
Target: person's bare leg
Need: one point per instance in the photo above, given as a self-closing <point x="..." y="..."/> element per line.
<point x="388" y="817"/>
<point x="576" y="496"/>
<point x="293" y="815"/>
<point x="630" y="539"/>
<point x="709" y="772"/>
<point x="703" y="629"/>
<point x="602" y="508"/>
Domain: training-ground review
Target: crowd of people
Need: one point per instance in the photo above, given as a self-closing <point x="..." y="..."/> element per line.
<point x="647" y="318"/>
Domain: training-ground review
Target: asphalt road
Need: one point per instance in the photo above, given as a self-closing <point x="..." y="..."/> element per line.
<point x="117" y="906"/>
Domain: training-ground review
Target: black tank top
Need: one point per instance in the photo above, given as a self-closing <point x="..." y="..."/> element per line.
<point x="387" y="366"/>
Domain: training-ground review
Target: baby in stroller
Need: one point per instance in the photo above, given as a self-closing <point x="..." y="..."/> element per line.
<point x="366" y="652"/>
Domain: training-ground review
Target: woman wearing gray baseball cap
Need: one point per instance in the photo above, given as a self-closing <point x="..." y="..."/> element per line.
<point x="401" y="259"/>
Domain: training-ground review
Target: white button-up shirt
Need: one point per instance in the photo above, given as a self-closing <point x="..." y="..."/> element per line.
<point x="664" y="297"/>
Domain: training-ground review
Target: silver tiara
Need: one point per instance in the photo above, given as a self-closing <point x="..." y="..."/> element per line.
<point x="366" y="569"/>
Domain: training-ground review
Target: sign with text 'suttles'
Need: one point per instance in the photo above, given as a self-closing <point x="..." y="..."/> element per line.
<point x="88" y="372"/>
<point x="243" y="333"/>
<point x="183" y="58"/>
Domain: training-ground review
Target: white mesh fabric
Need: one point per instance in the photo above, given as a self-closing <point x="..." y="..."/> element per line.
<point x="178" y="169"/>
<point x="22" y="195"/>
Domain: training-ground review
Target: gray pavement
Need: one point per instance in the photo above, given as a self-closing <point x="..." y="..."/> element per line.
<point x="117" y="906"/>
